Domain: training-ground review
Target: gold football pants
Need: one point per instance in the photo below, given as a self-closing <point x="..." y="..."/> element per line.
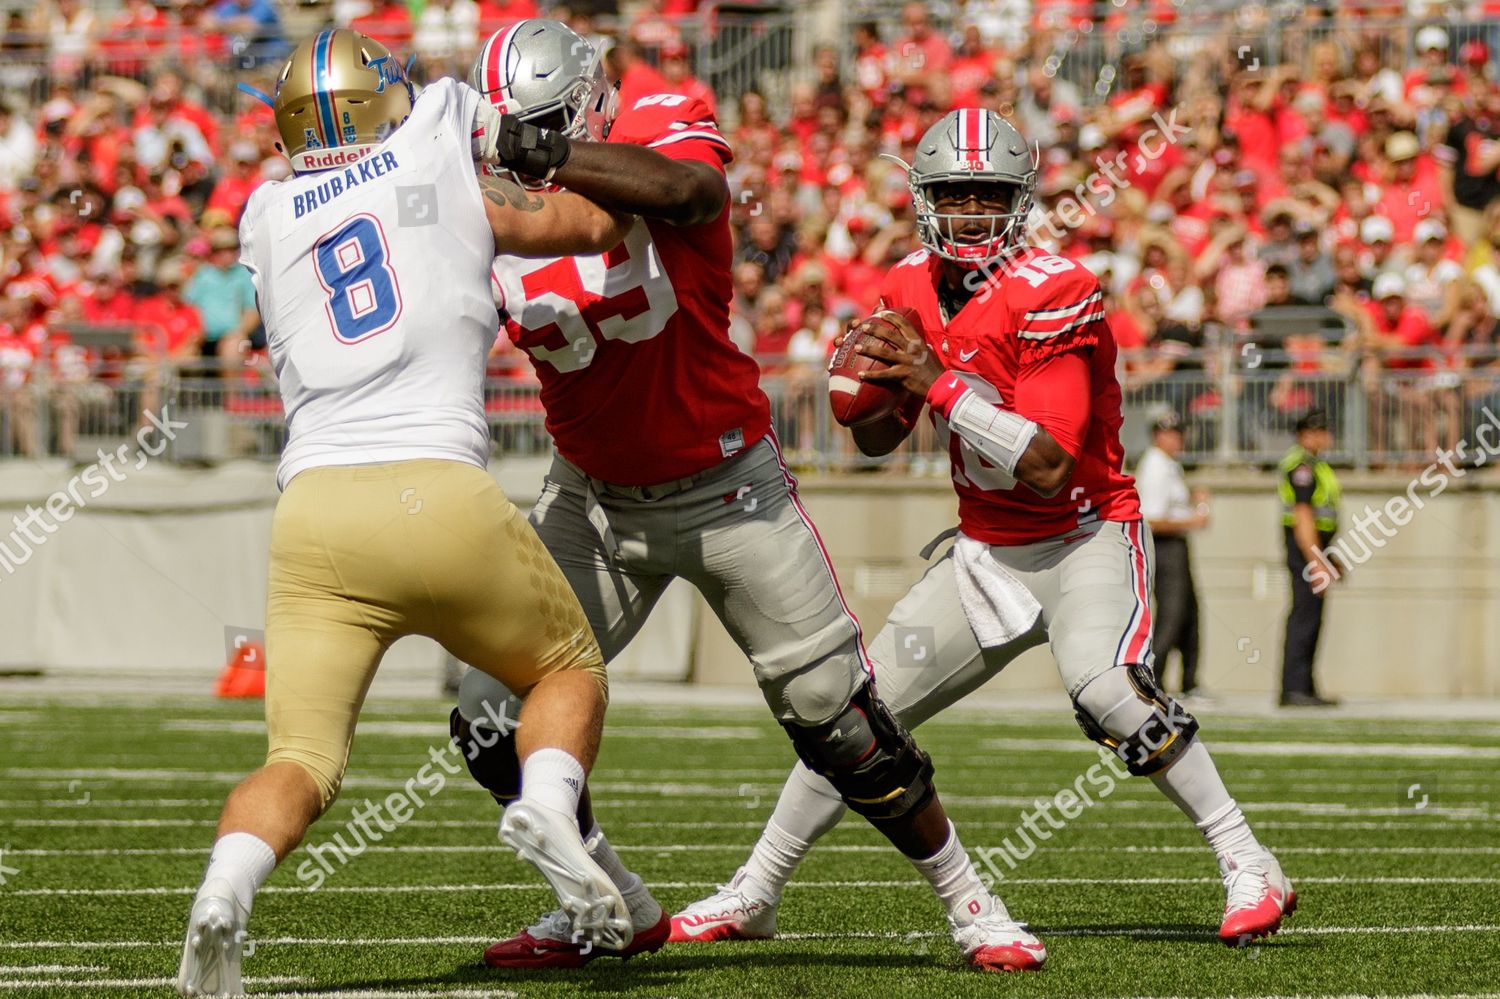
<point x="363" y="555"/>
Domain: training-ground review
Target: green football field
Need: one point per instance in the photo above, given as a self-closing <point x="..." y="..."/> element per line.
<point x="1389" y="829"/>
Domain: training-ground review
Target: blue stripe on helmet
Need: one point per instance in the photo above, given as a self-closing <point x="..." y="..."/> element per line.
<point x="321" y="51"/>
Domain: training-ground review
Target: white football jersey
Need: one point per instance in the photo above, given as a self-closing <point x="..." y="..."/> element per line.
<point x="373" y="280"/>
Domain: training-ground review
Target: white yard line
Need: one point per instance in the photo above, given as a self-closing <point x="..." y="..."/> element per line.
<point x="1415" y="750"/>
<point x="678" y="795"/>
<point x="410" y="889"/>
<point x="437" y="729"/>
<point x="1424" y="821"/>
<point x="396" y="994"/>
<point x="446" y="941"/>
<point x="132" y="983"/>
<point x="48" y="969"/>
<point x="199" y="851"/>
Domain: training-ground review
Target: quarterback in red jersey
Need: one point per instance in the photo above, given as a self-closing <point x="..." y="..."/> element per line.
<point x="1016" y="362"/>
<point x="667" y="467"/>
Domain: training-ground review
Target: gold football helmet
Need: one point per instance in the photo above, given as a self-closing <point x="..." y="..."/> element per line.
<point x="339" y="95"/>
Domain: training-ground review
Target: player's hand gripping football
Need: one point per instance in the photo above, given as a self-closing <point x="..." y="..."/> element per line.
<point x="898" y="343"/>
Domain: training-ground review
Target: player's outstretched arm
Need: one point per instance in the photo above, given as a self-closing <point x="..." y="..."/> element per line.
<point x="550" y="224"/>
<point x="642" y="181"/>
<point x="619" y="175"/>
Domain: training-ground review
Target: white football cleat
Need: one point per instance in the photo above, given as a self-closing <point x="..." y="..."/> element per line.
<point x="995" y="942"/>
<point x="731" y="913"/>
<point x="215" y="940"/>
<point x="549" y="942"/>
<point x="549" y="841"/>
<point x="1257" y="895"/>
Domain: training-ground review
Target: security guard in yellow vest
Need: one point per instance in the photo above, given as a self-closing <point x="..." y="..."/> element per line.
<point x="1309" y="516"/>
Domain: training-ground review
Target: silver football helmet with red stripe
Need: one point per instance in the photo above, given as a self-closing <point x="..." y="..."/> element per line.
<point x="972" y="145"/>
<point x="548" y="75"/>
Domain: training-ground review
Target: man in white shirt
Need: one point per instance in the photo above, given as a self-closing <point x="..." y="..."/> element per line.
<point x="1172" y="513"/>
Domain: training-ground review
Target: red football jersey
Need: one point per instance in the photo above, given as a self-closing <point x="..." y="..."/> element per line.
<point x="1011" y="342"/>
<point x="640" y="380"/>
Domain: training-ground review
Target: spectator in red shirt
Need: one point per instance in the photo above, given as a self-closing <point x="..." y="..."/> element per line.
<point x="674" y="69"/>
<point x="18" y="352"/>
<point x="138" y="31"/>
<point x="652" y="30"/>
<point x="235" y="185"/>
<point x="170" y="325"/>
<point x="497" y="14"/>
<point x="1397" y="328"/>
<point x="1395" y="334"/>
<point x="637" y="78"/>
<point x="389" y="21"/>
<point x="856" y="280"/>
<point x="922" y="55"/>
<point x="1433" y="76"/>
<point x="1411" y="188"/>
<point x="756" y="134"/>
<point x="973" y="65"/>
<point x="871" y="62"/>
<point x="773" y="329"/>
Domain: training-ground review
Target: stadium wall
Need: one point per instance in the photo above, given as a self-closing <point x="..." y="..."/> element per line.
<point x="154" y="573"/>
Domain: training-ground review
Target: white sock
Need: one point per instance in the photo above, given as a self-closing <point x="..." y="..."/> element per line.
<point x="776" y="855"/>
<point x="553" y="779"/>
<point x="952" y="876"/>
<point x="605" y="856"/>
<point x="808" y="806"/>
<point x="243" y="860"/>
<point x="1229" y="834"/>
<point x="1193" y="784"/>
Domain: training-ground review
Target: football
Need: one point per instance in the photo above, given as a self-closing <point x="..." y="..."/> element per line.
<point x="855" y="402"/>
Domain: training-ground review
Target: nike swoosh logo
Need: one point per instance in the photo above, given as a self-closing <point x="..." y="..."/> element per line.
<point x="967" y="355"/>
<point x="698" y="929"/>
<point x="1075" y="537"/>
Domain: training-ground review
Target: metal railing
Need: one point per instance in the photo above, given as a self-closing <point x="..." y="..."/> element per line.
<point x="1234" y="412"/>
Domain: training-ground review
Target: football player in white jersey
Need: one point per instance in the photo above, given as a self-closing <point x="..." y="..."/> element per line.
<point x="372" y="274"/>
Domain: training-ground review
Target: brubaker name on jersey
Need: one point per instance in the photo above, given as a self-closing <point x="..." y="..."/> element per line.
<point x="1033" y="340"/>
<point x="640" y="380"/>
<point x="337" y="182"/>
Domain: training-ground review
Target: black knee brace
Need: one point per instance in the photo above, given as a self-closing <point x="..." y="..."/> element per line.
<point x="491" y="757"/>
<point x="869" y="757"/>
<point x="1158" y="741"/>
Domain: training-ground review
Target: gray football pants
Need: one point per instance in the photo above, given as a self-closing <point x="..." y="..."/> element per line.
<point x="739" y="534"/>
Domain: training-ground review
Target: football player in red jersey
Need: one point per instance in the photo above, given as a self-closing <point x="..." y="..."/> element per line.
<point x="667" y="467"/>
<point x="1018" y="366"/>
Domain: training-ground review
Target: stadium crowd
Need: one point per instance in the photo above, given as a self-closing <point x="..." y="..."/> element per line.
<point x="1357" y="173"/>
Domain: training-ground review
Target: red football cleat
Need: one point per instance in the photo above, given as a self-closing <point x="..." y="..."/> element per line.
<point x="734" y="912"/>
<point x="1257" y="897"/>
<point x="995" y="942"/>
<point x="548" y="944"/>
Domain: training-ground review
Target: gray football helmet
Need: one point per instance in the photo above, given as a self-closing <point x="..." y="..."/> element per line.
<point x="967" y="145"/>
<point x="548" y="75"/>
